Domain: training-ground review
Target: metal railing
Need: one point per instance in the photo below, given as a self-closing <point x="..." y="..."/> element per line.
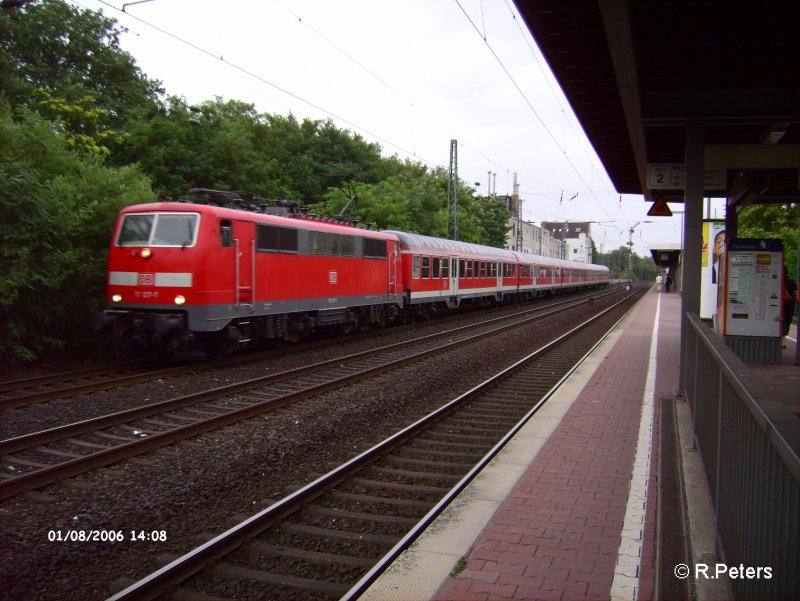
<point x="751" y="465"/>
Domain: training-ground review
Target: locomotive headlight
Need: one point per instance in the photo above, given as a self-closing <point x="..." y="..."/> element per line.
<point x="146" y="253"/>
<point x="180" y="299"/>
<point x="117" y="298"/>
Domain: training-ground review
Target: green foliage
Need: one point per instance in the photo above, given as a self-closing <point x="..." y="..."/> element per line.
<point x="414" y="199"/>
<point x="57" y="209"/>
<point x="229" y="145"/>
<point x="774" y="221"/>
<point x="76" y="115"/>
<point x="71" y="54"/>
<point x="625" y="267"/>
<point x="81" y="123"/>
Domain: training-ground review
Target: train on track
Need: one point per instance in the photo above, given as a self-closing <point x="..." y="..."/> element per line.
<point x="223" y="271"/>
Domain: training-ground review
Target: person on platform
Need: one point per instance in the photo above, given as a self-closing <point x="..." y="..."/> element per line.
<point x="789" y="299"/>
<point x="667" y="282"/>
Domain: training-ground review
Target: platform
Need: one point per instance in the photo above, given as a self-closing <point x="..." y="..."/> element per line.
<point x="568" y="509"/>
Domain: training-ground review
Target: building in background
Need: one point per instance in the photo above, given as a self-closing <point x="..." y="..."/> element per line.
<point x="527" y="237"/>
<point x="577" y="236"/>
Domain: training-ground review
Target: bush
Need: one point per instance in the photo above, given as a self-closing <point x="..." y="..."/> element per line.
<point x="57" y="209"/>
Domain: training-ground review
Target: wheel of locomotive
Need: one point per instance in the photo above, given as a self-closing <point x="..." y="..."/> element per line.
<point x="224" y="343"/>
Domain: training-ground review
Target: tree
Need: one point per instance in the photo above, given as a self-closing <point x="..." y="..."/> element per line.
<point x="774" y="221"/>
<point x="643" y="268"/>
<point x="57" y="210"/>
<point x="53" y="48"/>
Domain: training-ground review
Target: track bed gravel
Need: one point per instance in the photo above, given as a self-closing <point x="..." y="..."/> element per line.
<point x="206" y="484"/>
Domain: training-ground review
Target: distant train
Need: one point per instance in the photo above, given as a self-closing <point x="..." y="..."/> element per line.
<point x="182" y="273"/>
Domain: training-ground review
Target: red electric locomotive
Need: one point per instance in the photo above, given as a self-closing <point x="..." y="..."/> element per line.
<point x="180" y="271"/>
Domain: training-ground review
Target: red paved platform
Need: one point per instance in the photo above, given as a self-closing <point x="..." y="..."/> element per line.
<point x="562" y="532"/>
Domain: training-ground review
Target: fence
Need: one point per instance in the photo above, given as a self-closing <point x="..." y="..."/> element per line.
<point x="752" y="471"/>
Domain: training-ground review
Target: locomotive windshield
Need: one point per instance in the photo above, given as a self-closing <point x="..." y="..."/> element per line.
<point x="158" y="229"/>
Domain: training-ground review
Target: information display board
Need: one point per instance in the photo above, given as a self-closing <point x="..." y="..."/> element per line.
<point x="749" y="299"/>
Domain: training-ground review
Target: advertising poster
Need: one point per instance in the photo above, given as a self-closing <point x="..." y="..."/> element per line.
<point x="713" y="248"/>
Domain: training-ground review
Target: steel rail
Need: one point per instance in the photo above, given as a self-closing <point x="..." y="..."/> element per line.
<point x="184" y="567"/>
<point x="60" y="471"/>
<point x="31" y="398"/>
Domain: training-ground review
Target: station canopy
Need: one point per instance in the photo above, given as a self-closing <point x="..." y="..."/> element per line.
<point x="636" y="72"/>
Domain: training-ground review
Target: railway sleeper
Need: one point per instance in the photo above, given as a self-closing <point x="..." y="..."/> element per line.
<point x="257" y="548"/>
<point x="233" y="572"/>
<point x="413" y="488"/>
<point x="337" y="513"/>
<point x="365" y="499"/>
<point x="433" y="463"/>
<point x="391" y="472"/>
<point x="317" y="532"/>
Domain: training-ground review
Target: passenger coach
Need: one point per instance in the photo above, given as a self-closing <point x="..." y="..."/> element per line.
<point x="441" y="272"/>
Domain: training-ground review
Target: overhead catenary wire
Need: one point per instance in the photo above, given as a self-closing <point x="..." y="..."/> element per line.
<point x="264" y="80"/>
<point x="532" y="108"/>
<point x="388" y="142"/>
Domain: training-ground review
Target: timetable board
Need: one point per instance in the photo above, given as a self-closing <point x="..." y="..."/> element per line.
<point x="749" y="301"/>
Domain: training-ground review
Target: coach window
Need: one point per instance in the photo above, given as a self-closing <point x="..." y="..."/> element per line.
<point x="445" y="267"/>
<point x="426" y="268"/>
<point x="469" y="269"/>
<point x="415" y="267"/>
<point x="494" y="269"/>
<point x="436" y="272"/>
<point x="225" y="233"/>
<point x="462" y="268"/>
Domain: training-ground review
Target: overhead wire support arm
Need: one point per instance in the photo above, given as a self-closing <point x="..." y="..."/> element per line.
<point x="137" y="2"/>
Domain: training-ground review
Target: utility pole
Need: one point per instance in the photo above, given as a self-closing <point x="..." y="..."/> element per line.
<point x="517" y="201"/>
<point x="630" y="248"/>
<point x="452" y="193"/>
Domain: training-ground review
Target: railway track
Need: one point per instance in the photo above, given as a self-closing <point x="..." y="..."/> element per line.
<point x="40" y="458"/>
<point x="28" y="391"/>
<point x="332" y="538"/>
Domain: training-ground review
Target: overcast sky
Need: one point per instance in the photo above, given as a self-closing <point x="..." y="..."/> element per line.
<point x="408" y="74"/>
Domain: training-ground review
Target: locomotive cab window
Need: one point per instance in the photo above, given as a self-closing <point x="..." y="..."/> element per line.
<point x="158" y="229"/>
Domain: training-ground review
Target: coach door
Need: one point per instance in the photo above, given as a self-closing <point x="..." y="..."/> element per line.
<point x="244" y="243"/>
<point x="453" y="276"/>
<point x="394" y="259"/>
